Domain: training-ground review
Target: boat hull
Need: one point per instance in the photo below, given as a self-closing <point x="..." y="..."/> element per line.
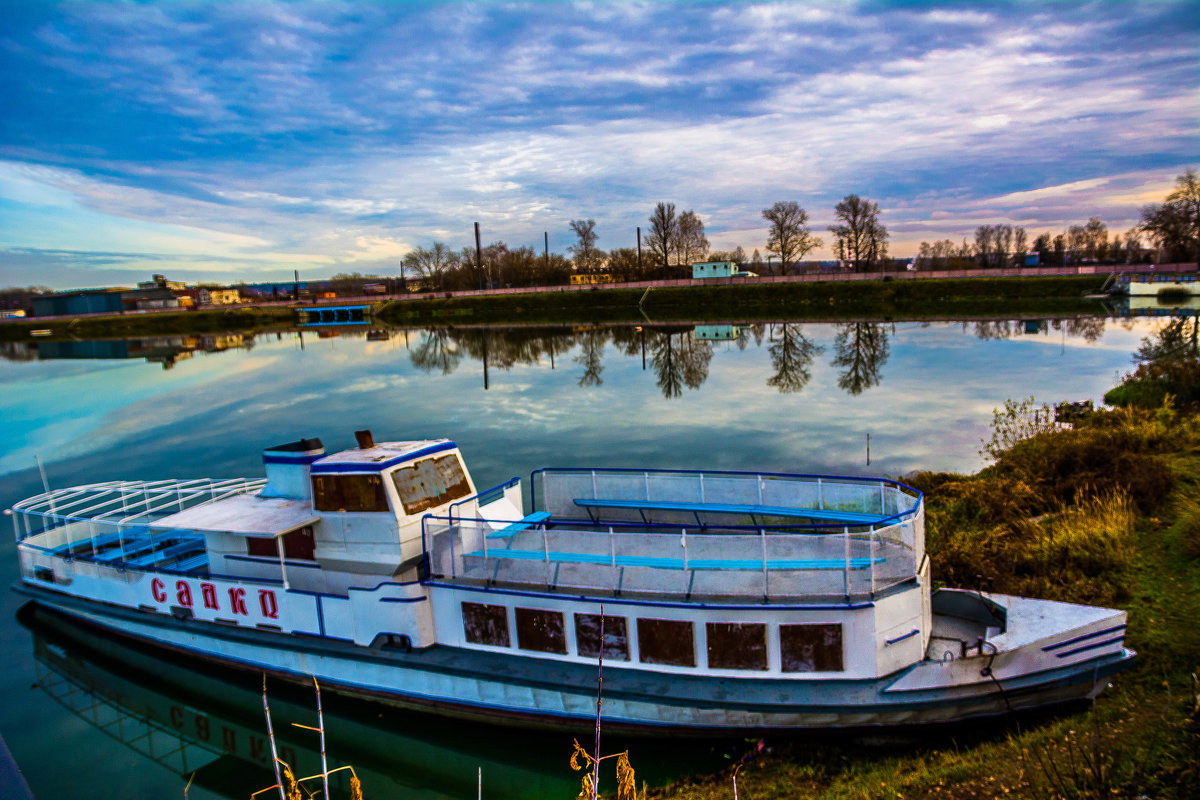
<point x="508" y="689"/>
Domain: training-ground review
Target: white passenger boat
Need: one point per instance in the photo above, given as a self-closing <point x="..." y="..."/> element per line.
<point x="732" y="602"/>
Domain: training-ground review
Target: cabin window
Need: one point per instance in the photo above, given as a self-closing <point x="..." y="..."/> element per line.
<point x="349" y="493"/>
<point x="811" y="648"/>
<point x="541" y="630"/>
<point x="587" y="637"/>
<point x="666" y="641"/>
<point x="485" y="624"/>
<point x="298" y="545"/>
<point x="430" y="483"/>
<point x="736" y="645"/>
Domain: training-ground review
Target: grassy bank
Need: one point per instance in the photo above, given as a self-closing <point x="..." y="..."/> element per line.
<point x="886" y="299"/>
<point x="1105" y="512"/>
<point x="120" y="326"/>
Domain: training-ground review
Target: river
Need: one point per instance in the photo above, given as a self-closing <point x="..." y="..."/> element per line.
<point x="782" y="397"/>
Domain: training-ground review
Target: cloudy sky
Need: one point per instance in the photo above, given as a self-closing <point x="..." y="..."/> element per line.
<point x="235" y="141"/>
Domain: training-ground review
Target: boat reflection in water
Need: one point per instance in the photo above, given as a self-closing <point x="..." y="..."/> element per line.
<point x="210" y="722"/>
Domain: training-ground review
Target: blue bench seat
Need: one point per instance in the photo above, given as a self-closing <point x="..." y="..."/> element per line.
<point x="525" y="523"/>
<point x="191" y="562"/>
<point x="104" y="541"/>
<point x="177" y="549"/>
<point x="135" y="547"/>
<point x="675" y="563"/>
<point x="753" y="511"/>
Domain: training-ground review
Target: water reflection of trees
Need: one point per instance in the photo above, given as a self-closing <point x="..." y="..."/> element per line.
<point x="1090" y="329"/>
<point x="437" y="351"/>
<point x="679" y="361"/>
<point x="1179" y="338"/>
<point x="792" y="354"/>
<point x="862" y="350"/>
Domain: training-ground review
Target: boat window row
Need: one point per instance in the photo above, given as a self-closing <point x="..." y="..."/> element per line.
<point x="426" y="484"/>
<point x="803" y="647"/>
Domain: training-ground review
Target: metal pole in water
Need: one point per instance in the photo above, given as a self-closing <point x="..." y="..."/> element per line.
<point x="599" y="693"/>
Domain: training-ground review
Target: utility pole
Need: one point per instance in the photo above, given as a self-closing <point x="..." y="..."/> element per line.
<point x="639" y="230"/>
<point x="546" y="235"/>
<point x="478" y="256"/>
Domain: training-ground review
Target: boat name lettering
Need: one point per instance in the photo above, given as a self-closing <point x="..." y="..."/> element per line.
<point x="237" y="601"/>
<point x="268" y="603"/>
<point x="266" y="600"/>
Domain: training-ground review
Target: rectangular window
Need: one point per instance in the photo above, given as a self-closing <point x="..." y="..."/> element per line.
<point x="587" y="636"/>
<point x="261" y="546"/>
<point x="431" y="482"/>
<point x="666" y="641"/>
<point x="541" y="630"/>
<point x="735" y="645"/>
<point x="485" y="624"/>
<point x="349" y="493"/>
<point x="297" y="545"/>
<point x="811" y="648"/>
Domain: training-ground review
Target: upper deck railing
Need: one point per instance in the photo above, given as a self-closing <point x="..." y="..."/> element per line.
<point x="116" y="505"/>
<point x="692" y="534"/>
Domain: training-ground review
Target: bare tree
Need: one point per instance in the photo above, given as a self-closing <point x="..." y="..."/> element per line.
<point x="689" y="241"/>
<point x="431" y="264"/>
<point x="1175" y="225"/>
<point x="663" y="224"/>
<point x="587" y="257"/>
<point x="860" y="238"/>
<point x="789" y="237"/>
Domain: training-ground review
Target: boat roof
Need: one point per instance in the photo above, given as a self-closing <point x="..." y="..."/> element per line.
<point x="379" y="457"/>
<point x="246" y="514"/>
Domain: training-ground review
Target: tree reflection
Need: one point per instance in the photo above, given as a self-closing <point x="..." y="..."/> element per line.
<point x="436" y="351"/>
<point x="678" y="360"/>
<point x="862" y="350"/>
<point x="792" y="354"/>
<point x="591" y="350"/>
<point x="1179" y="338"/>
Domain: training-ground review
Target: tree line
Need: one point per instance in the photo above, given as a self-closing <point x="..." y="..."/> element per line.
<point x="674" y="239"/>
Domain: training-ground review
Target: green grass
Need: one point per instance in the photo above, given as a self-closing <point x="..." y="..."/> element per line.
<point x="884" y="299"/>
<point x="1106" y="512"/>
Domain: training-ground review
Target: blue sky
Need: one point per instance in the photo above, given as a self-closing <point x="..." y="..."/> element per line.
<point x="232" y="141"/>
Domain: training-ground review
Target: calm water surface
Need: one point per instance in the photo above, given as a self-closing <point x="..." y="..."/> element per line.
<point x="770" y="396"/>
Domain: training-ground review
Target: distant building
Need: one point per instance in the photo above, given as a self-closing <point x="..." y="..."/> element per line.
<point x="716" y="333"/>
<point x="160" y="282"/>
<point x="584" y="278"/>
<point x="219" y="297"/>
<point x="714" y="269"/>
<point x="102" y="301"/>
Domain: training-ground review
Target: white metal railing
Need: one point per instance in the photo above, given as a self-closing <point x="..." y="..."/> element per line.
<point x="558" y="490"/>
<point x="121" y="504"/>
<point x="853" y="561"/>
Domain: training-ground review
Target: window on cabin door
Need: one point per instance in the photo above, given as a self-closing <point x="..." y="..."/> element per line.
<point x="431" y="482"/>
